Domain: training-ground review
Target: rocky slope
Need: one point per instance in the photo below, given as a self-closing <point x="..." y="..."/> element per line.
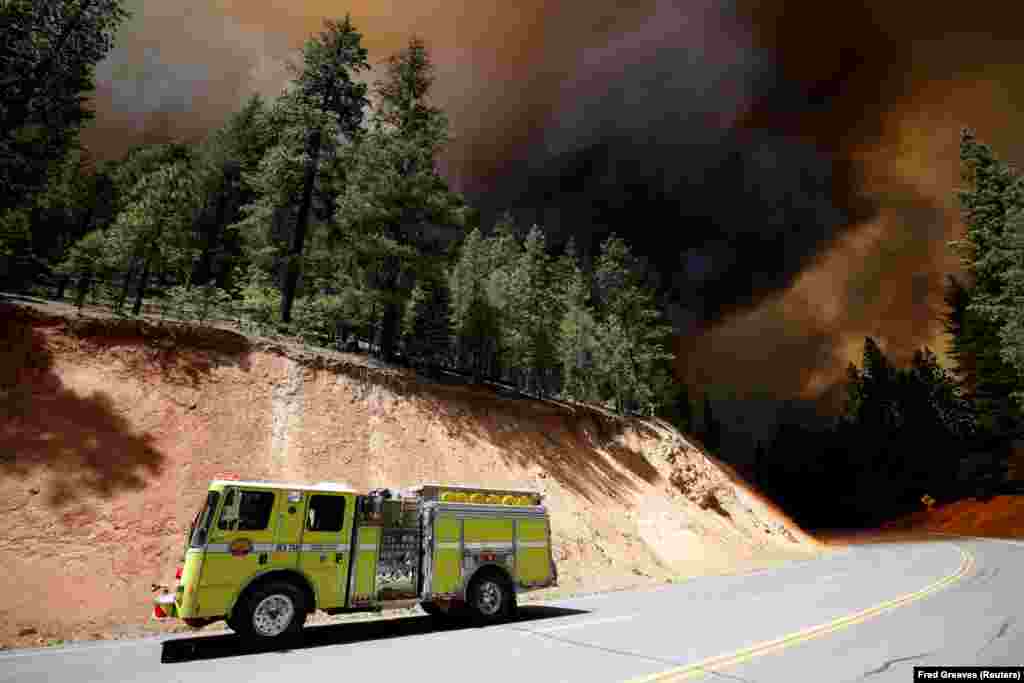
<point x="110" y="431"/>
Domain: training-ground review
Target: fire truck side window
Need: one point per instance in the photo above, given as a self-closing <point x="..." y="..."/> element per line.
<point x="247" y="510"/>
<point x="326" y="513"/>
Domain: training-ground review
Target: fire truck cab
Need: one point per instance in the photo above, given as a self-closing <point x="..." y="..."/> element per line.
<point x="264" y="555"/>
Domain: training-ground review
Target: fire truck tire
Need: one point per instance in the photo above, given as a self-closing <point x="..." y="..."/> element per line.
<point x="270" y="612"/>
<point x="490" y="598"/>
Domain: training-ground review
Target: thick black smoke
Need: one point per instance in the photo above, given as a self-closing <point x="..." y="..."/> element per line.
<point x="722" y="139"/>
<point x="787" y="167"/>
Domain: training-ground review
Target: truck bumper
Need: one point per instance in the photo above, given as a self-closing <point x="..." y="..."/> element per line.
<point x="164" y="607"/>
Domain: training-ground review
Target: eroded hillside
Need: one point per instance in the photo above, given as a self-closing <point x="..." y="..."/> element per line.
<point x="112" y="429"/>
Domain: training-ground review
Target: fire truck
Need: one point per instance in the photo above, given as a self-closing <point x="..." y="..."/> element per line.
<point x="265" y="555"/>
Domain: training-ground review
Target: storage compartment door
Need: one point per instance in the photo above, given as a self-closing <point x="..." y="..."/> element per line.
<point x="533" y="552"/>
<point x="447" y="568"/>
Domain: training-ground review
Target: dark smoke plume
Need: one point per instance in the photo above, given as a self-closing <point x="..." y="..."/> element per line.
<point x="786" y="167"/>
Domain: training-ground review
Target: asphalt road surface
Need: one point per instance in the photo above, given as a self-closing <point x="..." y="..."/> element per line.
<point x="870" y="613"/>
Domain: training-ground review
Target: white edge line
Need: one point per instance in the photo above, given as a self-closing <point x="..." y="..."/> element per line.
<point x="1007" y="541"/>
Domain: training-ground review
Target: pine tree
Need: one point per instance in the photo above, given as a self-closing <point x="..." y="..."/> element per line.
<point x="227" y="159"/>
<point x="47" y="65"/>
<point x="315" y="120"/>
<point x="393" y="194"/>
<point x="1011" y="307"/>
<point x="429" y="322"/>
<point x="635" y="337"/>
<point x="948" y="408"/>
<point x="990" y="202"/>
<point x="577" y="329"/>
<point x="87" y="258"/>
<point x="154" y="229"/>
<point x="961" y="326"/>
<point x="504" y="252"/>
<point x="536" y="312"/>
<point x="472" y="316"/>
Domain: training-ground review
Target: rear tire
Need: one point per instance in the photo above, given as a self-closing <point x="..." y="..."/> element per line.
<point x="271" y="613"/>
<point x="490" y="598"/>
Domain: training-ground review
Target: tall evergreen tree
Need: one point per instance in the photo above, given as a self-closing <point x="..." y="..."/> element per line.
<point x="154" y="229"/>
<point x="394" y="198"/>
<point x="47" y="64"/>
<point x="636" y="338"/>
<point x="992" y="197"/>
<point x="477" y="331"/>
<point x="504" y="252"/>
<point x="536" y="313"/>
<point x="124" y="184"/>
<point x="429" y="322"/>
<point x="1010" y="308"/>
<point x="577" y="329"/>
<point x="314" y="121"/>
<point x="47" y="59"/>
<point x="226" y="159"/>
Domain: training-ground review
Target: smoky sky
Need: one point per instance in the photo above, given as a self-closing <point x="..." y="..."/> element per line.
<point x="786" y="168"/>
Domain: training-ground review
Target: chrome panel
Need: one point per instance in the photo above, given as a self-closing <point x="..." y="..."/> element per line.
<point x="427" y="525"/>
<point x="396" y="564"/>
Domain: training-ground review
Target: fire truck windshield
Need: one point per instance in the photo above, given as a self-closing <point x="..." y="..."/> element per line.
<point x="201" y="527"/>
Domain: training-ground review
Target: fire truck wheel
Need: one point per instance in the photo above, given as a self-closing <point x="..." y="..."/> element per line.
<point x="272" y="611"/>
<point x="490" y="598"/>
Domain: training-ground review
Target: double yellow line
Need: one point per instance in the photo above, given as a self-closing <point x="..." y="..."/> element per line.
<point x="723" y="661"/>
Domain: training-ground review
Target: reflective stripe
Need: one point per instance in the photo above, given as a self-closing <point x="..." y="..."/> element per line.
<point x="256" y="547"/>
<point x="454" y="545"/>
<point x="532" y="544"/>
<point x="505" y="545"/>
<point x="367" y="547"/>
<point x="324" y="547"/>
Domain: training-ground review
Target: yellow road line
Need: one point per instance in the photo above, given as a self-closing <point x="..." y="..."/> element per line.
<point x="724" y="661"/>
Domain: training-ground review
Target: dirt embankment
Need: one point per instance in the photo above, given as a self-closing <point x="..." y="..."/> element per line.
<point x="111" y="430"/>
<point x="999" y="516"/>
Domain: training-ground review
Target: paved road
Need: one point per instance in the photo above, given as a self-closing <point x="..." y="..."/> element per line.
<point x="870" y="613"/>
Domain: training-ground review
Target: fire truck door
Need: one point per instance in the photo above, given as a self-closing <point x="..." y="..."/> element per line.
<point x="324" y="554"/>
<point x="241" y="544"/>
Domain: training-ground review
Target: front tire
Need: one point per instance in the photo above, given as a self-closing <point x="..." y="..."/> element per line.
<point x="271" y="613"/>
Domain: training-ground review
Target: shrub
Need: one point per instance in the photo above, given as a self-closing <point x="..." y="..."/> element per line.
<point x="198" y="303"/>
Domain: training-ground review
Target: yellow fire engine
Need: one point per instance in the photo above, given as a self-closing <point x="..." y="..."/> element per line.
<point x="264" y="555"/>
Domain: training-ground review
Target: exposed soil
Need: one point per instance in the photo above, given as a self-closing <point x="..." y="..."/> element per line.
<point x="999" y="516"/>
<point x="110" y="431"/>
